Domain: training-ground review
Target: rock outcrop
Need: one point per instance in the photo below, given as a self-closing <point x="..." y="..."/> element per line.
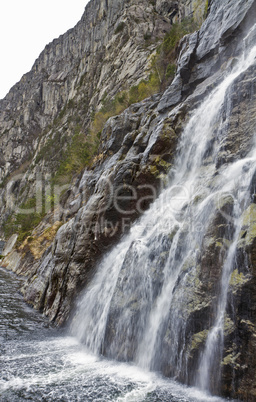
<point x="109" y="50"/>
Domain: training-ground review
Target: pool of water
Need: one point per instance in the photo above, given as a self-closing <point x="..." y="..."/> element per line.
<point x="41" y="363"/>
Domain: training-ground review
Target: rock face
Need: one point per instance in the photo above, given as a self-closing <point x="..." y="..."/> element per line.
<point x="106" y="52"/>
<point x="109" y="50"/>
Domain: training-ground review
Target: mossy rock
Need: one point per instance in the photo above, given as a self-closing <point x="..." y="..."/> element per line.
<point x="198" y="339"/>
<point x="229" y="326"/>
<point x="248" y="232"/>
<point x="231" y="359"/>
<point x="237" y="280"/>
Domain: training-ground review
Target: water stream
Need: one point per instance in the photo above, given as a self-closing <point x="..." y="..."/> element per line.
<point x="138" y="299"/>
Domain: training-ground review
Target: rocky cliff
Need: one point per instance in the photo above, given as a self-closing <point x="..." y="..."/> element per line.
<point x="48" y="116"/>
<point x="110" y="50"/>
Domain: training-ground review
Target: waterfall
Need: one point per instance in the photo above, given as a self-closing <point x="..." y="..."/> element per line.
<point x="137" y="306"/>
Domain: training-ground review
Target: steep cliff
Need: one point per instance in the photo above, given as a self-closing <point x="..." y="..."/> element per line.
<point x="48" y="117"/>
<point x="106" y="53"/>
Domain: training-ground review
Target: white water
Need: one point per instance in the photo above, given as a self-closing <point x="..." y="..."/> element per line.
<point x="59" y="369"/>
<point x="142" y="287"/>
<point x="42" y="364"/>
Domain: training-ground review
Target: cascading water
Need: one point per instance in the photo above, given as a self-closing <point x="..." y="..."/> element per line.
<point x="138" y="305"/>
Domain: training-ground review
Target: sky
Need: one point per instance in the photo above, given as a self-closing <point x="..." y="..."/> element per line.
<point x="26" y="27"/>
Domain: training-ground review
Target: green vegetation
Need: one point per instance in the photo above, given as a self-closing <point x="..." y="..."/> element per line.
<point x="78" y="155"/>
<point x="23" y="223"/>
<point x="164" y="62"/>
<point x="163" y="68"/>
<point x="51" y="147"/>
<point x="200" y="8"/>
<point x="73" y="155"/>
<point x="115" y="106"/>
<point x="206" y="8"/>
<point x="198" y="339"/>
<point x="81" y="149"/>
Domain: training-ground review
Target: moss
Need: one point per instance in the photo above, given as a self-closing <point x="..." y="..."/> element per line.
<point x="23" y="223"/>
<point x="170" y="70"/>
<point x="145" y="88"/>
<point x="229" y="326"/>
<point x="79" y="154"/>
<point x="250" y="325"/>
<point x="198" y="339"/>
<point x="209" y="241"/>
<point x="164" y="62"/>
<point x="165" y="165"/>
<point x="237" y="280"/>
<point x="206" y="8"/>
<point x="153" y="170"/>
<point x="249" y="215"/>
<point x="226" y="243"/>
<point x="248" y="232"/>
<point x="200" y="8"/>
<point x="230" y="359"/>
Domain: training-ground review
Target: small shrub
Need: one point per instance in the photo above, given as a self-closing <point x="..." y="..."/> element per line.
<point x="51" y="148"/>
<point x="206" y="8"/>
<point x="62" y="113"/>
<point x="23" y="223"/>
<point x="163" y="66"/>
<point x="78" y="155"/>
<point x="170" y="71"/>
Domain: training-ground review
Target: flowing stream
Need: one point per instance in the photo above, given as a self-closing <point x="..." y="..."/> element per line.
<point x="138" y="299"/>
